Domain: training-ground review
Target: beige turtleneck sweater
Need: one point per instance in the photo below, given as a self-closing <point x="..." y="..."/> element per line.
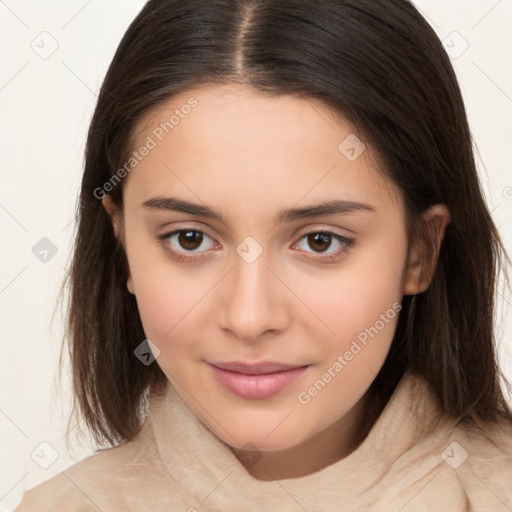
<point x="413" y="460"/>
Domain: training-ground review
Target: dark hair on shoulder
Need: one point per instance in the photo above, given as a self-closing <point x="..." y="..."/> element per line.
<point x="379" y="64"/>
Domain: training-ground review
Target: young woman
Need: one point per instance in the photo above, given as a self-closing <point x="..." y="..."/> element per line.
<point x="282" y="291"/>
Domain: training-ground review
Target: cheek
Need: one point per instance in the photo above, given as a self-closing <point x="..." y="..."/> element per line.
<point x="357" y="293"/>
<point x="167" y="303"/>
<point x="168" y="307"/>
<point x="166" y="295"/>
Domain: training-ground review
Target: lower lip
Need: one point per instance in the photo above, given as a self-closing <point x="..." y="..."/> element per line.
<point x="257" y="387"/>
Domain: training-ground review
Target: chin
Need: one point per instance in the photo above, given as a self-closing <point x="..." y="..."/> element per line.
<point x="256" y="444"/>
<point x="258" y="439"/>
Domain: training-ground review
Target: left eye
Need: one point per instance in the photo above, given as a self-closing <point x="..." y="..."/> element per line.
<point x="323" y="239"/>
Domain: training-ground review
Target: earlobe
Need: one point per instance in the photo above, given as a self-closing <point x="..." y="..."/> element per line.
<point x="129" y="284"/>
<point x="113" y="213"/>
<point x="422" y="262"/>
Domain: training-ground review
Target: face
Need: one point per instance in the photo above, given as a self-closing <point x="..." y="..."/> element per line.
<point x="303" y="305"/>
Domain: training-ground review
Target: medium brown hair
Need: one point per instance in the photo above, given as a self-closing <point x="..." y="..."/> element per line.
<point x="377" y="63"/>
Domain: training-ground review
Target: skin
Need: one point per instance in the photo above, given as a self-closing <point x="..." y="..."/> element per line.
<point x="248" y="156"/>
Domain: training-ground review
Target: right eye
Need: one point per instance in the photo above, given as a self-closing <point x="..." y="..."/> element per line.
<point x="181" y="242"/>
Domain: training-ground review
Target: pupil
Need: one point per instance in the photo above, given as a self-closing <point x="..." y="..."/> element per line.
<point x="319" y="237"/>
<point x="189" y="239"/>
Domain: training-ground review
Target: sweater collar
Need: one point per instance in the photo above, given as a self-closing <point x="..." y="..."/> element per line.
<point x="205" y="468"/>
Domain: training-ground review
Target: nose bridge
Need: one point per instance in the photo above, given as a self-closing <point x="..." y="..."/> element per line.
<point x="253" y="303"/>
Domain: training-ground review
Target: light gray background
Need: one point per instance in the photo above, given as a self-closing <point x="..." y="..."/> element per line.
<point x="46" y="104"/>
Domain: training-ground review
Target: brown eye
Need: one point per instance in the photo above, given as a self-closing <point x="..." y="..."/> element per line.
<point x="320" y="241"/>
<point x="186" y="244"/>
<point x="190" y="240"/>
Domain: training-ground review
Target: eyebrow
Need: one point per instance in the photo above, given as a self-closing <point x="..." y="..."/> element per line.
<point x="336" y="206"/>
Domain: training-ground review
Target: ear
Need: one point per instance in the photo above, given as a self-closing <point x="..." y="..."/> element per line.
<point x="422" y="262"/>
<point x="114" y="214"/>
<point x="116" y="217"/>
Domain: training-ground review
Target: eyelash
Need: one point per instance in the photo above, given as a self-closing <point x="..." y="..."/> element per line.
<point x="348" y="243"/>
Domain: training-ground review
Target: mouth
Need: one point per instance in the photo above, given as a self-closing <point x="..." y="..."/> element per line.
<point x="256" y="381"/>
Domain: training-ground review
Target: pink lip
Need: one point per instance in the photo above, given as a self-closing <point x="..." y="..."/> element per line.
<point x="256" y="381"/>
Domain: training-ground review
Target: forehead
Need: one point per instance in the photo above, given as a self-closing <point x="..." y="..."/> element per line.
<point x="232" y="141"/>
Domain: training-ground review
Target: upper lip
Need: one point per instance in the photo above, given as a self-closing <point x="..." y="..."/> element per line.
<point x="254" y="368"/>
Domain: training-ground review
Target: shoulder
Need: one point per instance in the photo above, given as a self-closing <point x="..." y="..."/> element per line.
<point x="471" y="463"/>
<point x="113" y="479"/>
<point x="58" y="493"/>
<point x="457" y="466"/>
<point x="482" y="461"/>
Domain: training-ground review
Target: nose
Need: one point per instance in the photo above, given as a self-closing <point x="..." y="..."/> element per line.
<point x="254" y="301"/>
